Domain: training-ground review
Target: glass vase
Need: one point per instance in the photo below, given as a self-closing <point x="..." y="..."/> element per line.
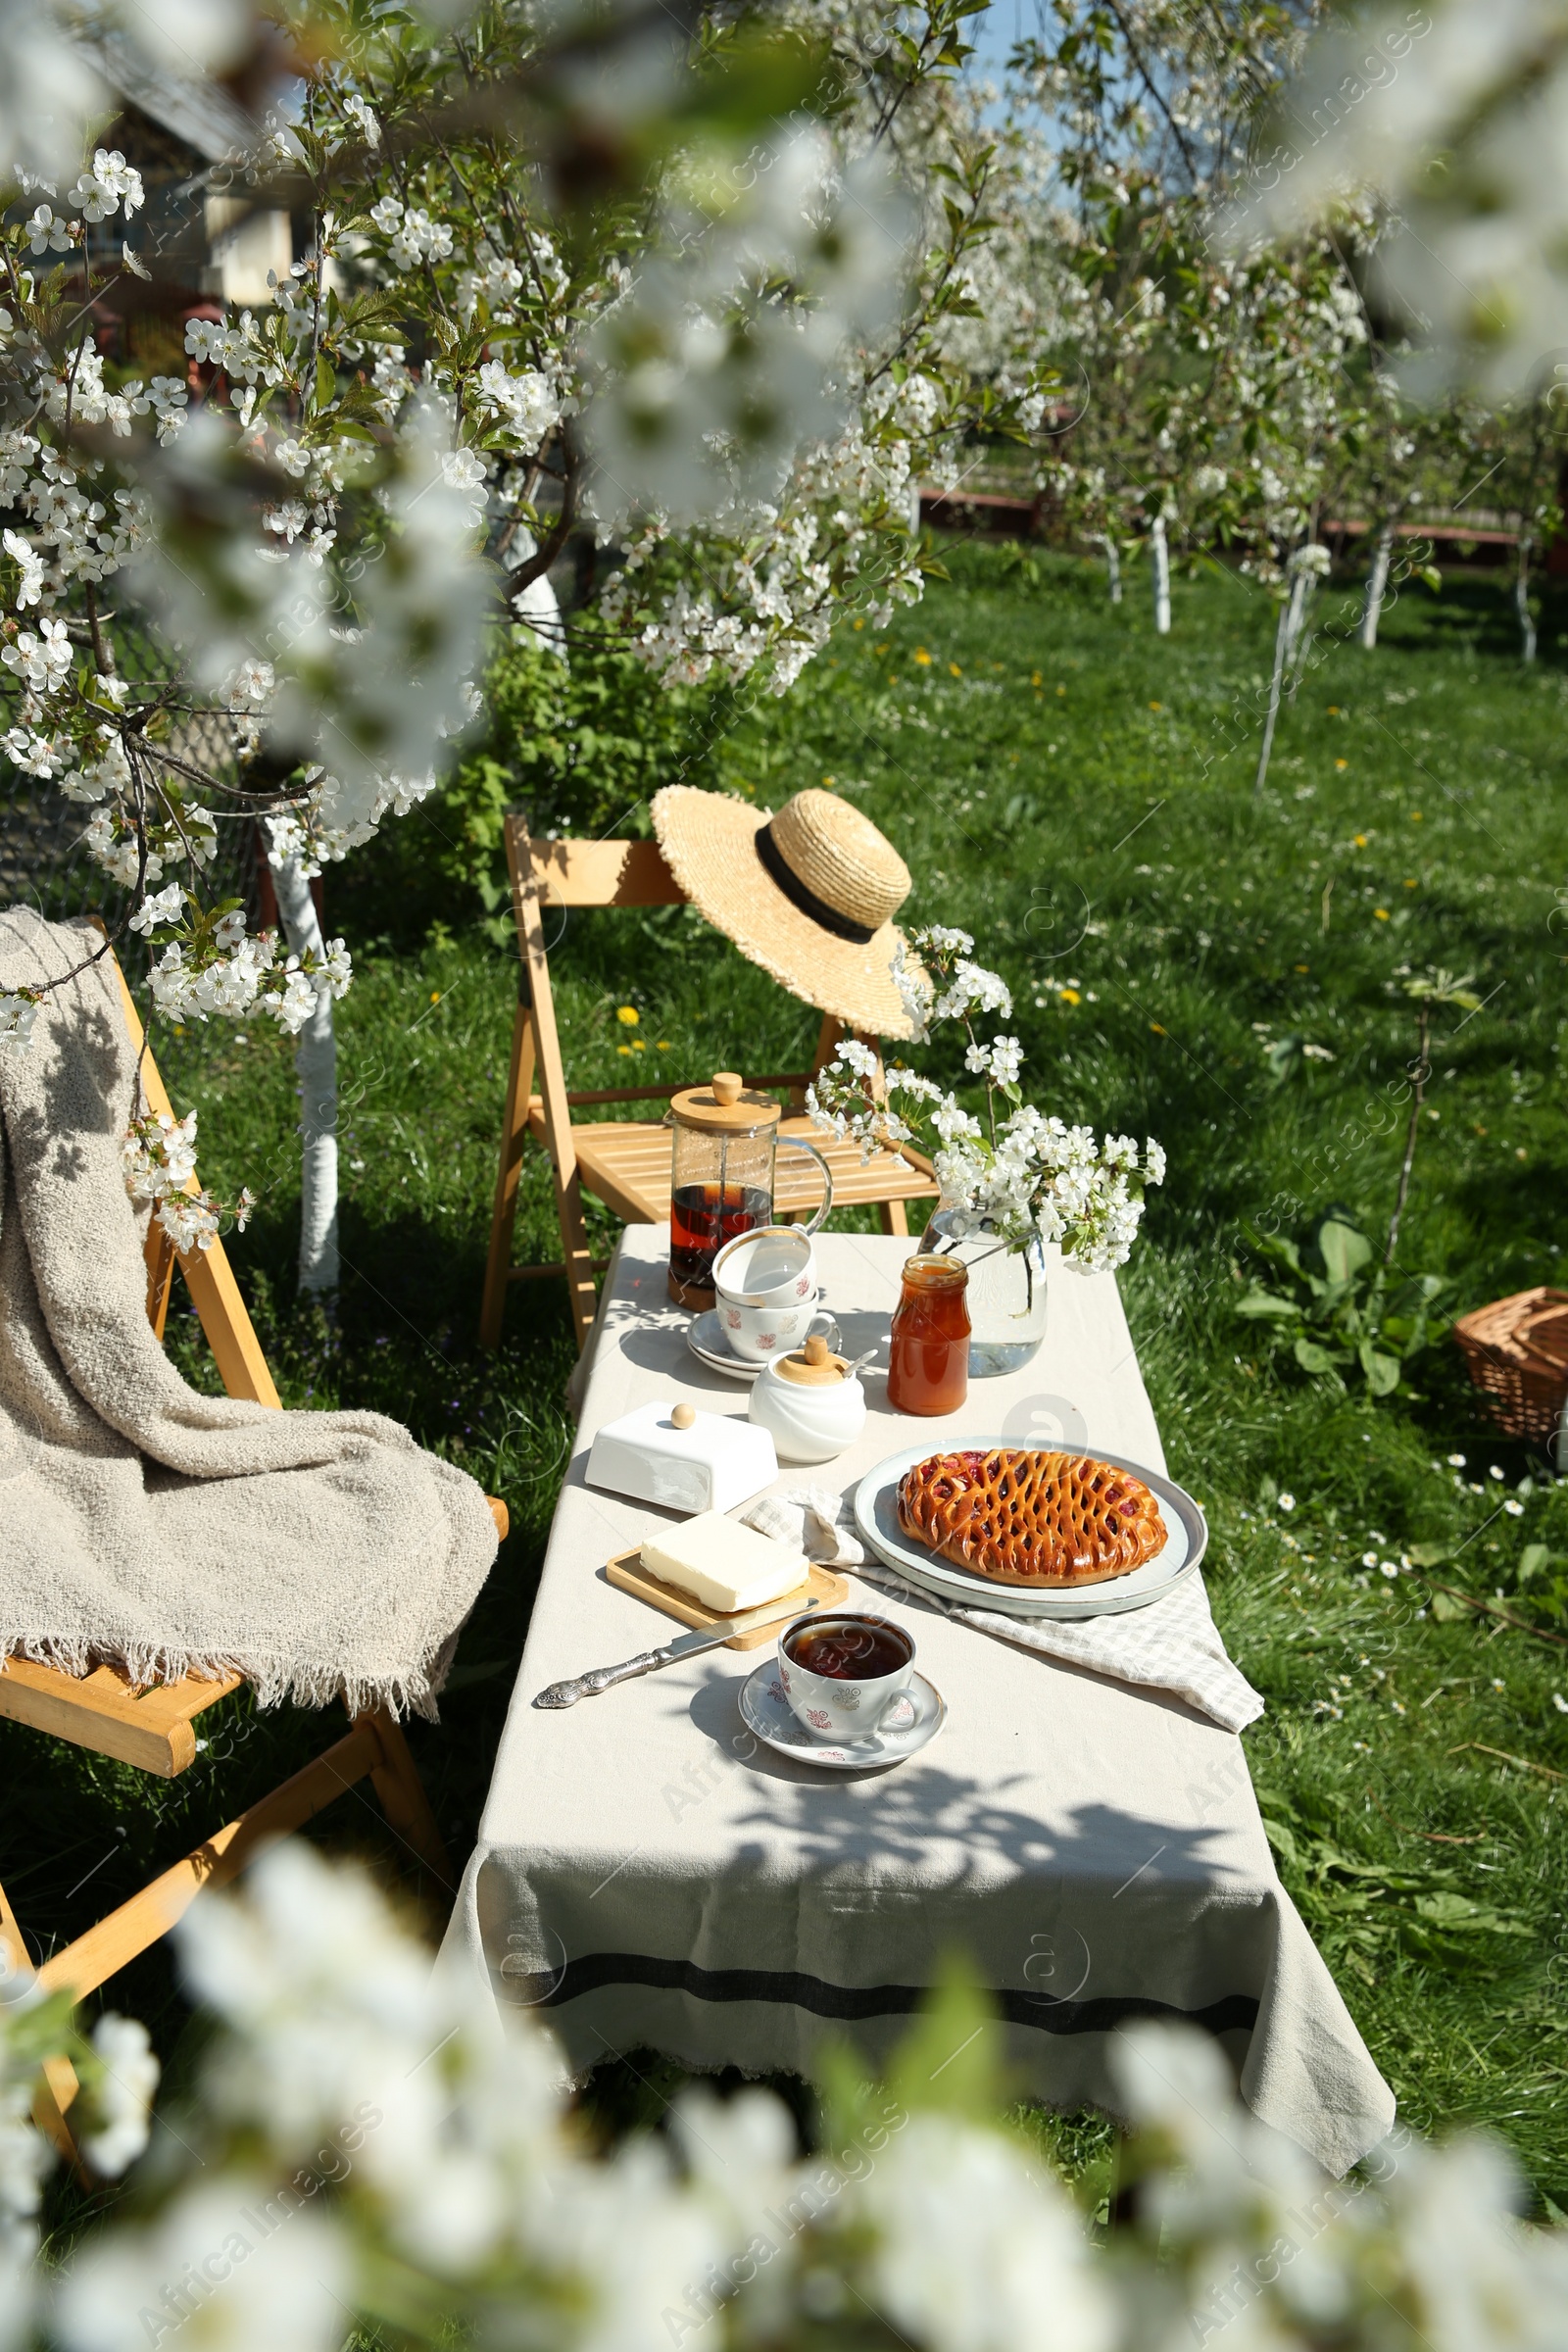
<point x="1006" y="1295"/>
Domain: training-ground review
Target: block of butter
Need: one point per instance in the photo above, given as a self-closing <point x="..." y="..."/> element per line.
<point x="725" y="1566"/>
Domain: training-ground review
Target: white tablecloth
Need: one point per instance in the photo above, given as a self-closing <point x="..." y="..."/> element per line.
<point x="648" y="1875"/>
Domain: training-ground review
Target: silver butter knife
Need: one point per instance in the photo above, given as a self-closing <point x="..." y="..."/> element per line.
<point x="649" y="1661"/>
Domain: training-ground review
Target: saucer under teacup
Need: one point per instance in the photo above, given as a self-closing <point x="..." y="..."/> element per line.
<point x="708" y="1341"/>
<point x="767" y="1712"/>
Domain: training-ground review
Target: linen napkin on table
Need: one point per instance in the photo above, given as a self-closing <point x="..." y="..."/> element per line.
<point x="809" y="1518"/>
<point x="1173" y="1645"/>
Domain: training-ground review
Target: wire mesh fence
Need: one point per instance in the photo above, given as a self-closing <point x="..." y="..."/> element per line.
<point x="44" y="859"/>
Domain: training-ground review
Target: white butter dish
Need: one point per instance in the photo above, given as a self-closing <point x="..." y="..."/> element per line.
<point x="700" y="1462"/>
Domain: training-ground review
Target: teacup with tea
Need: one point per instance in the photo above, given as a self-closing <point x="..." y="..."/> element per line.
<point x="847" y="1677"/>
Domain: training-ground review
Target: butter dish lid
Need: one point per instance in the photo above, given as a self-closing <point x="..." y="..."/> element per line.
<point x="681" y="1428"/>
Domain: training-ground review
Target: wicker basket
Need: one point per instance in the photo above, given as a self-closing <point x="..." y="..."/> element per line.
<point x="1516" y="1351"/>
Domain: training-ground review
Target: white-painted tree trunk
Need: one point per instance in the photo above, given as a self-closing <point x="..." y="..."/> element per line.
<point x="1113" y="565"/>
<point x="1377" y="587"/>
<point x="1161" y="558"/>
<point x="1281" y="645"/>
<point x="1521" y="601"/>
<point x="1299" y="633"/>
<point x="537" y="606"/>
<point x="315" y="1062"/>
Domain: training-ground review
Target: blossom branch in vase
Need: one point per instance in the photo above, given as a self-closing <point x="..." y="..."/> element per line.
<point x="1014" y="1174"/>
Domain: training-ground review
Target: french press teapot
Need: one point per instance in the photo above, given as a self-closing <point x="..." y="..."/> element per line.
<point x="721" y="1182"/>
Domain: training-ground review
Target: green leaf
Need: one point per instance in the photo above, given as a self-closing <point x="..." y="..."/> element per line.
<point x="1282" y="1837"/>
<point x="1427" y="1555"/>
<point x="1382" y="1371"/>
<point x="1458" y="1915"/>
<point x="1531" y="1560"/>
<point x="1446" y="1610"/>
<point x="1266" y="1302"/>
<point x="1343" y="1250"/>
<point x="1313" y="1358"/>
<point x="952" y="2056"/>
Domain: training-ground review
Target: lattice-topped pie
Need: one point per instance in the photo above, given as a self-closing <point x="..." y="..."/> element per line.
<point x="1019" y="1516"/>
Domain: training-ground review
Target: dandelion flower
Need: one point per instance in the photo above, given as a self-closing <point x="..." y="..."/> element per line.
<point x="1380" y="915"/>
<point x="922" y="657"/>
<point x="627" y="1015"/>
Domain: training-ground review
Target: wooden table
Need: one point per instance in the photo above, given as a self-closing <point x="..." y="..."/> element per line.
<point x="648" y="1875"/>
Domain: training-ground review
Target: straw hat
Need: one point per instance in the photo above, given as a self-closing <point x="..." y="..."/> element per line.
<point x="809" y="894"/>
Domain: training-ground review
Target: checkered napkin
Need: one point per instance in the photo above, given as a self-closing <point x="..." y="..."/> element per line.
<point x="1172" y="1644"/>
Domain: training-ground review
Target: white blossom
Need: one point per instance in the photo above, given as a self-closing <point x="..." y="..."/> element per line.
<point x="18" y="1014"/>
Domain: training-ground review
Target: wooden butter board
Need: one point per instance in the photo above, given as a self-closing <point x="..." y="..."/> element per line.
<point x="626" y="1571"/>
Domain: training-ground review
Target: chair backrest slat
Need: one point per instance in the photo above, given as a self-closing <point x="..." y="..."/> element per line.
<point x="599" y="873"/>
<point x="208" y="1276"/>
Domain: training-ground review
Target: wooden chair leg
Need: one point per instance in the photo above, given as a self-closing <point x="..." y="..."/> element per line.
<point x="158" y="1251"/>
<point x="127" y="1932"/>
<point x="397" y="1782"/>
<point x="504" y="1215"/>
<point x="895" y="1217"/>
<point x="581" y="1288"/>
<point x="52" y="2098"/>
<point x="11" y="1949"/>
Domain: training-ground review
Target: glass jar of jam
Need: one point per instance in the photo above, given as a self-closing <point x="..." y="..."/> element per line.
<point x="928" y="1364"/>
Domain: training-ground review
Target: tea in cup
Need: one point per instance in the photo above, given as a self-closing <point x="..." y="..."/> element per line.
<point x="848" y="1677"/>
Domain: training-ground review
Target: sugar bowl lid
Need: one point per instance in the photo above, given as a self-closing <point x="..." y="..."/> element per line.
<point x="724" y="1107"/>
<point x="813" y="1366"/>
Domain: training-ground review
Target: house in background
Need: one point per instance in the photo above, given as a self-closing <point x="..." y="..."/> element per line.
<point x="204" y="244"/>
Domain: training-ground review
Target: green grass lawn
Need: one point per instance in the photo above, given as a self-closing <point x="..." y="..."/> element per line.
<point x="1058" y="780"/>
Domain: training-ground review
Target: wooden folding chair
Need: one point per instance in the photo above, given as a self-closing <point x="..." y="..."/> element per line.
<point x="152" y="1728"/>
<point x="623" y="1162"/>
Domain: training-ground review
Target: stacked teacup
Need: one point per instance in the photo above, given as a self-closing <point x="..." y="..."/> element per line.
<point x="769" y="1298"/>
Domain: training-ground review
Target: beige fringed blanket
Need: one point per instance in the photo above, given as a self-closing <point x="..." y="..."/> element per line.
<point x="321" y="1554"/>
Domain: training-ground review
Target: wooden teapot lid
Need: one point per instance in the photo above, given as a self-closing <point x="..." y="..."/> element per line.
<point x="816" y="1366"/>
<point x="724" y="1107"/>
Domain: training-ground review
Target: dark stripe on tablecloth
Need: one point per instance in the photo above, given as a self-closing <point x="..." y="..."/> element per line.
<point x="596" y="1972"/>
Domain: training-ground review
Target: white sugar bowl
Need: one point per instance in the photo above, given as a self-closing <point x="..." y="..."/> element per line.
<point x="808" y="1403"/>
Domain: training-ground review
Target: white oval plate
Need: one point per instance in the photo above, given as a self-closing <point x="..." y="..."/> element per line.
<point x="876" y="1515"/>
<point x="766" y="1711"/>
